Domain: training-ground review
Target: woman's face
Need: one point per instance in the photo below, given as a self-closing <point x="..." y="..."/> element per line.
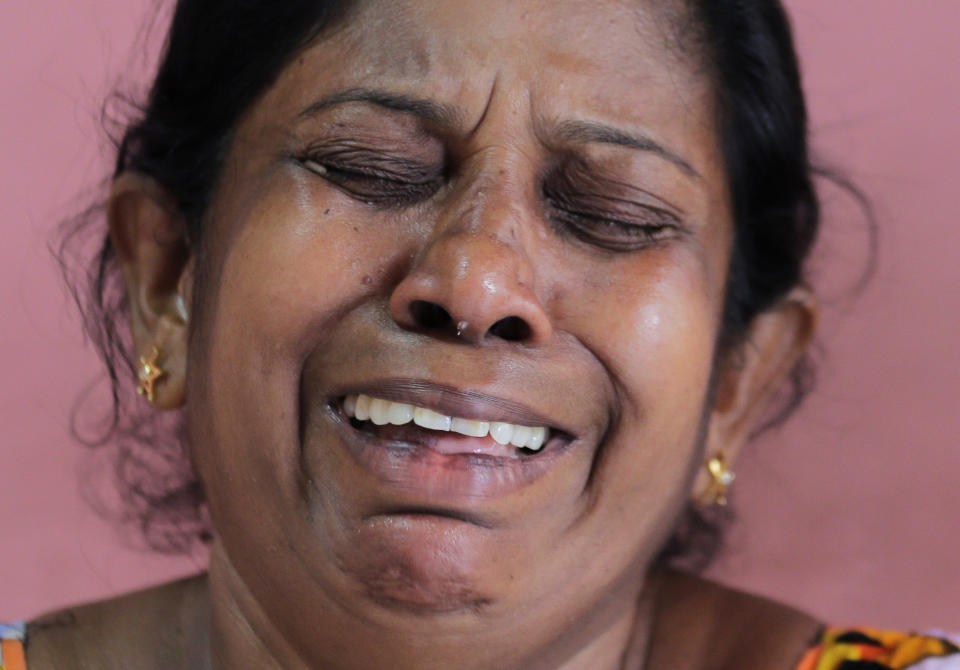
<point x="499" y="212"/>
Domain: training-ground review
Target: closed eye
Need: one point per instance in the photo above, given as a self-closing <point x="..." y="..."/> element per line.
<point x="386" y="182"/>
<point x="604" y="211"/>
<point x="615" y="234"/>
<point x="612" y="223"/>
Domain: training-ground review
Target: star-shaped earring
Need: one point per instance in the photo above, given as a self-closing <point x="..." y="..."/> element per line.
<point x="150" y="371"/>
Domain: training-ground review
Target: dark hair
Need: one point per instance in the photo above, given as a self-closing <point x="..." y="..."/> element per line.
<point x="220" y="55"/>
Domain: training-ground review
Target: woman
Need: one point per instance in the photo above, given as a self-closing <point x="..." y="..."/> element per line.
<point x="470" y="307"/>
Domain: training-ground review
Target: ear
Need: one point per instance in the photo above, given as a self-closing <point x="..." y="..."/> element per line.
<point x="750" y="375"/>
<point x="149" y="236"/>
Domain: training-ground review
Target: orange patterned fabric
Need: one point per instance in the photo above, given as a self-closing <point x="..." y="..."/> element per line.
<point x="12" y="655"/>
<point x="870" y="649"/>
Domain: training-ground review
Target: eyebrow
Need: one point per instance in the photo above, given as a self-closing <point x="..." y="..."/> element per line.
<point x="593" y="131"/>
<point x="449" y="116"/>
<point x="428" y="110"/>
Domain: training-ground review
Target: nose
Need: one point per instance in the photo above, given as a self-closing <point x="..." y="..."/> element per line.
<point x="474" y="281"/>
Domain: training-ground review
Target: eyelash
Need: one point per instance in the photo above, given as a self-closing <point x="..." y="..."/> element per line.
<point x="597" y="227"/>
<point x="614" y="233"/>
<point x="372" y="185"/>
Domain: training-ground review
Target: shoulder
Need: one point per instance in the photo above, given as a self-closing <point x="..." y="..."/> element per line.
<point x="705" y="624"/>
<point x="142" y="629"/>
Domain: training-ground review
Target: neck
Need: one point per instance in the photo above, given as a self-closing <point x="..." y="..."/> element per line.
<point x="612" y="636"/>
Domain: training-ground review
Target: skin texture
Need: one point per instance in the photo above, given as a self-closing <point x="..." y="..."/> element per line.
<point x="588" y="280"/>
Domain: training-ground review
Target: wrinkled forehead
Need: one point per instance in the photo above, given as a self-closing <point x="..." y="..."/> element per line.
<point x="613" y="55"/>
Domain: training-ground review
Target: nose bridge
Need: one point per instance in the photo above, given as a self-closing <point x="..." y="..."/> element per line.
<point x="478" y="255"/>
<point x="476" y="264"/>
<point x="484" y="225"/>
<point x="490" y="194"/>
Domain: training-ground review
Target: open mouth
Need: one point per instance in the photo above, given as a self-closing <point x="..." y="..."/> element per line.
<point x="402" y="423"/>
<point x="431" y="447"/>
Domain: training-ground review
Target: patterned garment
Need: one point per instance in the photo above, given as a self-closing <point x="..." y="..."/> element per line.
<point x="11" y="647"/>
<point x="869" y="649"/>
<point x="839" y="649"/>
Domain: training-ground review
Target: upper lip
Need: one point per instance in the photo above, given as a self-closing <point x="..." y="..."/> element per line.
<point x="452" y="401"/>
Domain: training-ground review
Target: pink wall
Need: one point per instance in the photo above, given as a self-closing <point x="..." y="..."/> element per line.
<point x="849" y="512"/>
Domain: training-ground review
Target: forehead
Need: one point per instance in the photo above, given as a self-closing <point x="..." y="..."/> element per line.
<point x="611" y="60"/>
<point x="572" y="33"/>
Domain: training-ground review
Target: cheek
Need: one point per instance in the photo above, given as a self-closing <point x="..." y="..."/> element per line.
<point x="653" y="327"/>
<point x="292" y="265"/>
<point x="650" y="323"/>
<point x="653" y="324"/>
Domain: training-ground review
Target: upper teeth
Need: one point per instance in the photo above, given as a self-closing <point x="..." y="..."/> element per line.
<point x="381" y="412"/>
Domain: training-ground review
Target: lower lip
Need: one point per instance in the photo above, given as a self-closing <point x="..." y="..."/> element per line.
<point x="433" y="477"/>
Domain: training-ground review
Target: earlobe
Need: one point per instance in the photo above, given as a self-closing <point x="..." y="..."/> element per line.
<point x="149" y="238"/>
<point x="748" y="377"/>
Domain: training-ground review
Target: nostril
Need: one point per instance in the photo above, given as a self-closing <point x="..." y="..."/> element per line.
<point x="511" y="328"/>
<point x="430" y="315"/>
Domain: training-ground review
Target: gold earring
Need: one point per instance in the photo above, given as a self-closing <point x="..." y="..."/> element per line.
<point x="150" y="371"/>
<point x="723" y="477"/>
